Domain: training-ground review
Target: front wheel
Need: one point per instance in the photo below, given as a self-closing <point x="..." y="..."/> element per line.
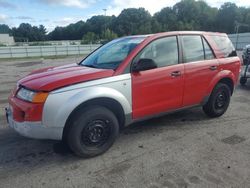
<point x="93" y="131"/>
<point x="218" y="101"/>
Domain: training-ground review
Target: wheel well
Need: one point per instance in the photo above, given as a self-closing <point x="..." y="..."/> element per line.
<point x="229" y="82"/>
<point x="111" y="104"/>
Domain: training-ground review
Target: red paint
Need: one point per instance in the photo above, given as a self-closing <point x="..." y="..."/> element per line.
<point x="198" y="76"/>
<point x="49" y="79"/>
<point x="25" y="111"/>
<point x="155" y="91"/>
<point x="53" y="78"/>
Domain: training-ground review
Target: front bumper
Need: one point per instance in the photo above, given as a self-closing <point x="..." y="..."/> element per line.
<point x="33" y="129"/>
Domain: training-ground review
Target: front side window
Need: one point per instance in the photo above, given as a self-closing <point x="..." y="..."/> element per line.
<point x="163" y="51"/>
<point x="192" y="48"/>
<point x="112" y="54"/>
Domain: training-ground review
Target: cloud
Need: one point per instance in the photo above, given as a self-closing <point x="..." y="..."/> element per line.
<point x="70" y="3"/>
<point x="218" y="3"/>
<point x="7" y="5"/>
<point x="44" y="20"/>
<point x="3" y="18"/>
<point x="66" y="21"/>
<point x="23" y="18"/>
<point x="118" y="5"/>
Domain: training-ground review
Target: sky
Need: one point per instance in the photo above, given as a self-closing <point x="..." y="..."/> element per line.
<point x="52" y="13"/>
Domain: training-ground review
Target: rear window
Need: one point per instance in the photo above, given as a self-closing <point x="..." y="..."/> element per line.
<point x="225" y="45"/>
<point x="193" y="48"/>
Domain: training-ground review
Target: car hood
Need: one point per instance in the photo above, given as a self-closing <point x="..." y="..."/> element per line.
<point x="52" y="78"/>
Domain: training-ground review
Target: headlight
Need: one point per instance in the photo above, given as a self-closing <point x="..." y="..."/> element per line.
<point x="32" y="96"/>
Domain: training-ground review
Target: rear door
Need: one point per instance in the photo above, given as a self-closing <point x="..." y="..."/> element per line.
<point x="200" y="67"/>
<point x="161" y="89"/>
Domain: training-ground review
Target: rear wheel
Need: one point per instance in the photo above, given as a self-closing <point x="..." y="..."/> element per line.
<point x="218" y="101"/>
<point x="243" y="81"/>
<point x="93" y="131"/>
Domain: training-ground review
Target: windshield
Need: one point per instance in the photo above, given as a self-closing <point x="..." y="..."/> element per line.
<point x="111" y="55"/>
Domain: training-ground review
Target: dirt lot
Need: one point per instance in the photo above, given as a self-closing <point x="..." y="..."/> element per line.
<point x="185" y="149"/>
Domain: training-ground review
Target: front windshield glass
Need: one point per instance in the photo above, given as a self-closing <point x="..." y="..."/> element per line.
<point x="111" y="55"/>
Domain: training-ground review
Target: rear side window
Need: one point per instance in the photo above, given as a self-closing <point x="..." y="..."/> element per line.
<point x="225" y="45"/>
<point x="192" y="48"/>
<point x="207" y="49"/>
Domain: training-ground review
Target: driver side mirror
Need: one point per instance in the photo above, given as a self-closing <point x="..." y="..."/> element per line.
<point x="144" y="64"/>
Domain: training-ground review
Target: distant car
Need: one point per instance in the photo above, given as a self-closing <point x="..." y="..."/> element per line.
<point x="126" y="80"/>
<point x="246" y="54"/>
<point x="245" y="74"/>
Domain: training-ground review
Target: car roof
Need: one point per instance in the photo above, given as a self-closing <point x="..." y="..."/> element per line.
<point x="176" y="33"/>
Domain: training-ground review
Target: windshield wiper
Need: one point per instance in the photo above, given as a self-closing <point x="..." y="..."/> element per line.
<point x="92" y="66"/>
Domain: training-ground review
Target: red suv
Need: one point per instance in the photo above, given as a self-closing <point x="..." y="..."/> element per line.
<point x="126" y="80"/>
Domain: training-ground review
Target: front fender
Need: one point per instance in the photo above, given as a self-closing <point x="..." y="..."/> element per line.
<point x="218" y="77"/>
<point x="59" y="105"/>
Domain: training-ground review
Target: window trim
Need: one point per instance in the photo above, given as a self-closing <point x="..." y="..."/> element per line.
<point x="182" y="44"/>
<point x="204" y="39"/>
<point x="178" y="50"/>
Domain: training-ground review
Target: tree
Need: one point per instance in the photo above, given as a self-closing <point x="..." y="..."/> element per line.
<point x="26" y="32"/>
<point x="108" y="35"/>
<point x="167" y="19"/>
<point x="5" y="29"/>
<point x="71" y="32"/>
<point x="89" y="38"/>
<point x="98" y="24"/>
<point x="227" y="15"/>
<point x="187" y="12"/>
<point x="184" y="15"/>
<point x="133" y="21"/>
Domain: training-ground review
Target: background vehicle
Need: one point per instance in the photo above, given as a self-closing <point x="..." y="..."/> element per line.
<point x="246" y="61"/>
<point x="129" y="79"/>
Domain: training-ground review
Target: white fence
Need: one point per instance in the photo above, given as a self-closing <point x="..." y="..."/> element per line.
<point x="43" y="51"/>
<point x="242" y="41"/>
<point x="66" y="50"/>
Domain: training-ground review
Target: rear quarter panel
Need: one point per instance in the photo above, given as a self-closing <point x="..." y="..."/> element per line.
<point x="228" y="68"/>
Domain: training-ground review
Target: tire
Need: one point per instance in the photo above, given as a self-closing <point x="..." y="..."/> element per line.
<point x="93" y="131"/>
<point x="218" y="101"/>
<point x="243" y="81"/>
<point x="244" y="61"/>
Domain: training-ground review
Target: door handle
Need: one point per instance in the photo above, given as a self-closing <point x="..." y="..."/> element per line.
<point x="213" y="68"/>
<point x="176" y="73"/>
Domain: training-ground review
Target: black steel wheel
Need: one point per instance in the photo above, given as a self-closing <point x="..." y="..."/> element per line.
<point x="96" y="133"/>
<point x="218" y="101"/>
<point x="93" y="131"/>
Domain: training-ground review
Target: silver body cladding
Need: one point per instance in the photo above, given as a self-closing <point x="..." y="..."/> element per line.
<point x="61" y="102"/>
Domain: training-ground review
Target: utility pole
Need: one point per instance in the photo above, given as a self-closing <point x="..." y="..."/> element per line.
<point x="105" y="14"/>
<point x="105" y="11"/>
<point x="237" y="27"/>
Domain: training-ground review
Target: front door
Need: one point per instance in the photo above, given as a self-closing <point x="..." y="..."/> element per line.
<point x="161" y="89"/>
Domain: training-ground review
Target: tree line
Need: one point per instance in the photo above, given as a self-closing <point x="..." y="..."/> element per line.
<point x="184" y="15"/>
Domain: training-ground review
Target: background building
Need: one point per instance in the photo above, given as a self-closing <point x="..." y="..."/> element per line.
<point x="6" y="39"/>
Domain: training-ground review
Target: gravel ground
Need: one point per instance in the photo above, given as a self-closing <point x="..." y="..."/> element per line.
<point x="184" y="149"/>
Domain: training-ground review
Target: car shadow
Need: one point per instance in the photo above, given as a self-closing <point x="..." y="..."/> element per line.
<point x="22" y="155"/>
<point x="245" y="87"/>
